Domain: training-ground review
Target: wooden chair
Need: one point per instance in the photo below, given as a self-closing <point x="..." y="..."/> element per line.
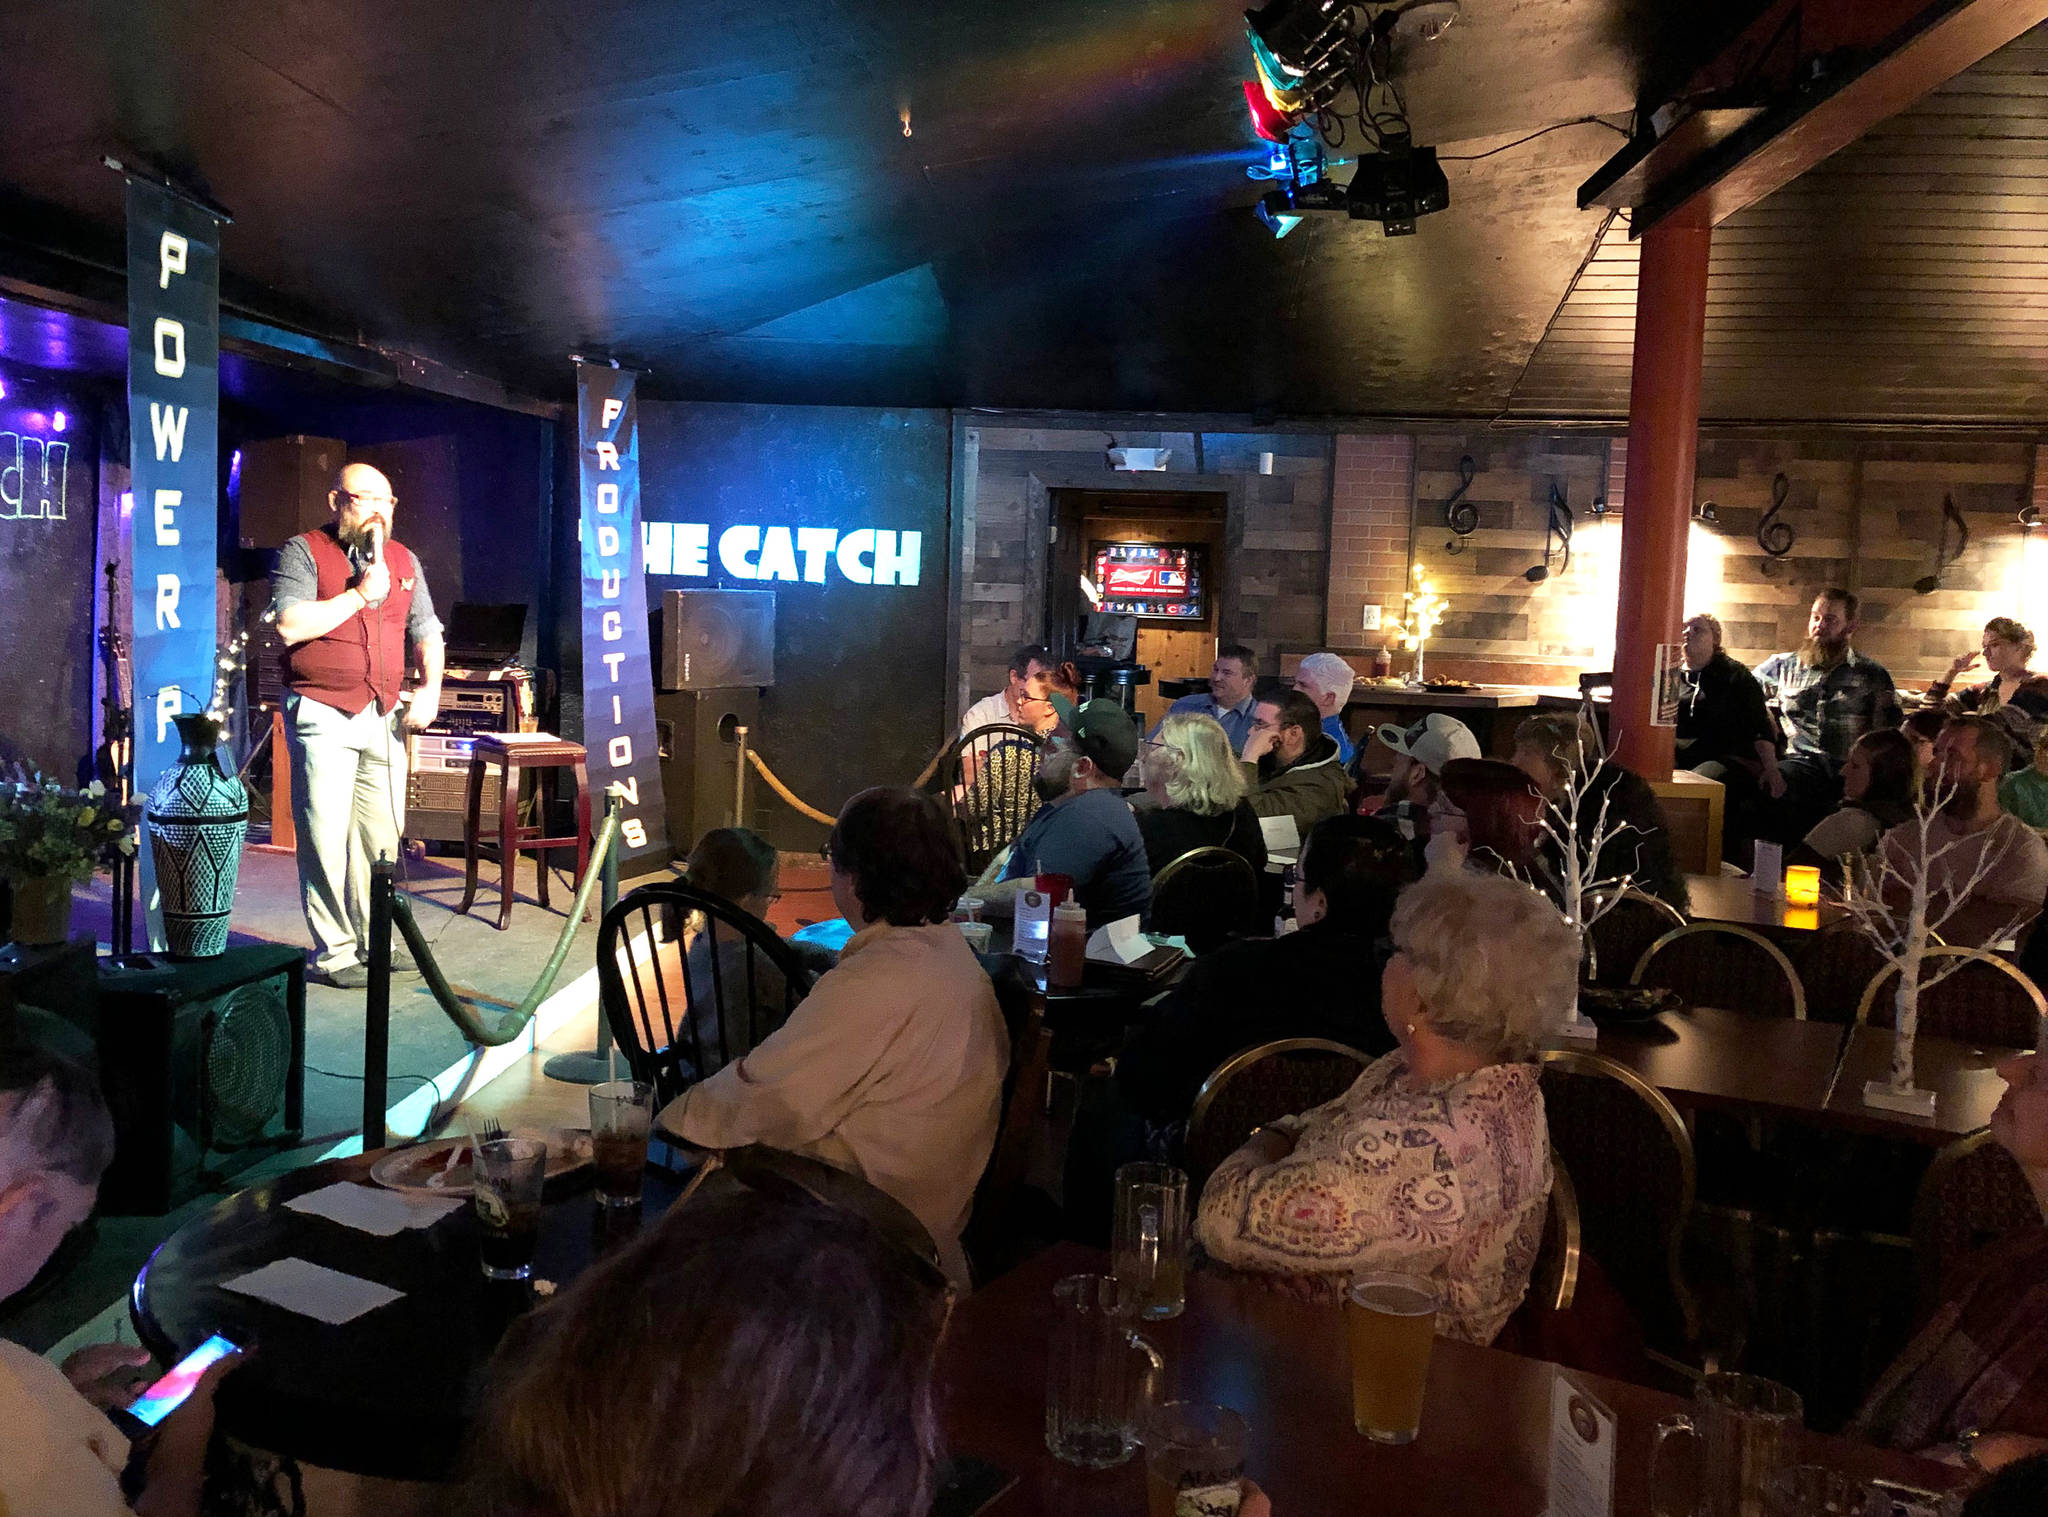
<point x="1554" y="1279"/>
<point x="1986" y="1001"/>
<point x="661" y="987"/>
<point x="984" y="781"/>
<point x="1719" y="964"/>
<point x="1973" y="1194"/>
<point x="1618" y="938"/>
<point x="1208" y="896"/>
<point x="1279" y="1079"/>
<point x="1631" y="1162"/>
<point x="1835" y="967"/>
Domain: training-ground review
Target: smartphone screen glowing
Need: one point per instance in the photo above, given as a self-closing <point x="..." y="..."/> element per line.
<point x="164" y="1397"/>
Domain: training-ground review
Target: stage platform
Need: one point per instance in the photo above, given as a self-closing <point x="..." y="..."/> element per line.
<point x="87" y="1305"/>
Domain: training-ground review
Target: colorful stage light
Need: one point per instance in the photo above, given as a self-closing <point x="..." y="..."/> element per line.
<point x="1266" y="121"/>
<point x="59" y="421"/>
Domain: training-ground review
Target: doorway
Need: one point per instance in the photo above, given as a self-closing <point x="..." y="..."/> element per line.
<point x="1170" y="649"/>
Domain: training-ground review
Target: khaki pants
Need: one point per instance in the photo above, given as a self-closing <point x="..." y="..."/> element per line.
<point x="348" y="803"/>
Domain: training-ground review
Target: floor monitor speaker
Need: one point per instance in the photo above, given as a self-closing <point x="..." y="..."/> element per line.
<point x="711" y="639"/>
<point x="694" y="735"/>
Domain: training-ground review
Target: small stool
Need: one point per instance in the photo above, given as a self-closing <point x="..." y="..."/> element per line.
<point x="514" y="753"/>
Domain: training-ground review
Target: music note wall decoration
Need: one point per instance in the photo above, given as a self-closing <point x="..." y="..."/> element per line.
<point x="1460" y="514"/>
<point x="1944" y="556"/>
<point x="1776" y="537"/>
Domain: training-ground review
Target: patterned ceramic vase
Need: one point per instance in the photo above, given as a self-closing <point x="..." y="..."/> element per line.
<point x="197" y="818"/>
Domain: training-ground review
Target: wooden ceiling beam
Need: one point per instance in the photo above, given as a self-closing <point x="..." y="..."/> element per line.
<point x="1810" y="77"/>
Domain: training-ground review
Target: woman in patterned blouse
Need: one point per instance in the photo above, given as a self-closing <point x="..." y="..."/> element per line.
<point x="1437" y="1161"/>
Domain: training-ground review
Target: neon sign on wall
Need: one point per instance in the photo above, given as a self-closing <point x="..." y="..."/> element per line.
<point x="32" y="476"/>
<point x="864" y="556"/>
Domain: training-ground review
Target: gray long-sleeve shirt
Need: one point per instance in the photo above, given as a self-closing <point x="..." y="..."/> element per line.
<point x="296" y="580"/>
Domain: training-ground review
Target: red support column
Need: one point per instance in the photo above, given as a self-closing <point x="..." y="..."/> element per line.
<point x="1663" y="436"/>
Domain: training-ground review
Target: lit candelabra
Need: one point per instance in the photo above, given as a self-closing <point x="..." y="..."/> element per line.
<point x="1422" y="612"/>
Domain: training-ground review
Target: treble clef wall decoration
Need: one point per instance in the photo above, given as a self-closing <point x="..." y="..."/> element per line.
<point x="1773" y="536"/>
<point x="1460" y="514"/>
<point x="1945" y="556"/>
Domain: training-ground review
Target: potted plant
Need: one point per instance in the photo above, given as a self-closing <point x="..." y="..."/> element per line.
<point x="52" y="838"/>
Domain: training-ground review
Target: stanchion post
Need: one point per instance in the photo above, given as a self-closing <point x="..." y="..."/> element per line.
<point x="594" y="1068"/>
<point x="739" y="778"/>
<point x="377" y="1010"/>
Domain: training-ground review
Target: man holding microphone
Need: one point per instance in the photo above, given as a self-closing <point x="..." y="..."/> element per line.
<point x="346" y="598"/>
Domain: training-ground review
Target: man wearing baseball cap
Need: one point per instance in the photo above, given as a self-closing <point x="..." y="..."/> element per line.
<point x="1085" y="829"/>
<point x="1421" y="750"/>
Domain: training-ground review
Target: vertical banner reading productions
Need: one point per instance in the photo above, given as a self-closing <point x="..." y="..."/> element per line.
<point x="174" y="431"/>
<point x="618" y="680"/>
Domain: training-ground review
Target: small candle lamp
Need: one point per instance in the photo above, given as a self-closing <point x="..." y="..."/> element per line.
<point x="1802" y="885"/>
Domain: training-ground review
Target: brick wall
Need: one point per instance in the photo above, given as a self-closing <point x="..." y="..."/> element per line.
<point x="1372" y="495"/>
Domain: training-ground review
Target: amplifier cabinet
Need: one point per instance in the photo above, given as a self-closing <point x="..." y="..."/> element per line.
<point x="715" y="639"/>
<point x="694" y="735"/>
<point x="437" y="760"/>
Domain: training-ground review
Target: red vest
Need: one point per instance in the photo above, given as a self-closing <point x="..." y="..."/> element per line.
<point x="364" y="658"/>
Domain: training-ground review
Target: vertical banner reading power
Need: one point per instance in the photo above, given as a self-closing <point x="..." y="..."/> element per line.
<point x="618" y="680"/>
<point x="174" y="429"/>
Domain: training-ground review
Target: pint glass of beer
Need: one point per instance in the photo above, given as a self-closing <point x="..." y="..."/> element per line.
<point x="1389" y="1320"/>
<point x="506" y="1194"/>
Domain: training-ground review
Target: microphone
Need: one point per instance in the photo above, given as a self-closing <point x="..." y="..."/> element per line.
<point x="374" y="550"/>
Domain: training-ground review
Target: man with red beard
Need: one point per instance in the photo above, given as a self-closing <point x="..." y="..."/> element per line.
<point x="1826" y="695"/>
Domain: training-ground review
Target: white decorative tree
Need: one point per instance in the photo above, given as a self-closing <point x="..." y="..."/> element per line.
<point x="1422" y="611"/>
<point x="1890" y="896"/>
<point x="1580" y="830"/>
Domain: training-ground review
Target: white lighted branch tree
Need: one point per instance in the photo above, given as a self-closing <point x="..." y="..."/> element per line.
<point x="1892" y="898"/>
<point x="1580" y="830"/>
<point x="1422" y="611"/>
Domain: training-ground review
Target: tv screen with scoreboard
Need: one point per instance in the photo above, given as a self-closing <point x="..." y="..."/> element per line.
<point x="1152" y="581"/>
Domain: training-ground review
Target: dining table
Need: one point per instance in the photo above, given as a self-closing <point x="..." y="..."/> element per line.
<point x="1734" y="898"/>
<point x="1283" y="1364"/>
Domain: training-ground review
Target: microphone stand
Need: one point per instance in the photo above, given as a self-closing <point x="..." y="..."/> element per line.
<point x="114" y="762"/>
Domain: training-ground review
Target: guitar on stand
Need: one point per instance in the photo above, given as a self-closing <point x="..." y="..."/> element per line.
<point x="113" y="761"/>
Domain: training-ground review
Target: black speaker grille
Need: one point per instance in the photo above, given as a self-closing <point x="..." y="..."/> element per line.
<point x="247" y="1059"/>
<point x="713" y="638"/>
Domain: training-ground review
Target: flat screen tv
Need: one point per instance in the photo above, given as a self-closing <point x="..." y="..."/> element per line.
<point x="1165" y="582"/>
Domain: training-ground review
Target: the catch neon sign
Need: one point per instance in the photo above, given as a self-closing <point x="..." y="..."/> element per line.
<point x="864" y="556"/>
<point x="32" y="476"/>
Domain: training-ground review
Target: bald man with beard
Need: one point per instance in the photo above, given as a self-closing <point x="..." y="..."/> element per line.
<point x="345" y="620"/>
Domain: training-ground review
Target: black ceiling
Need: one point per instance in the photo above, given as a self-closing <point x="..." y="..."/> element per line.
<point x="724" y="192"/>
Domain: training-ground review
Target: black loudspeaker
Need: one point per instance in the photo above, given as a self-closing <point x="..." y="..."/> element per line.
<point x="283" y="488"/>
<point x="710" y="639"/>
<point x="203" y="1063"/>
<point x="694" y="733"/>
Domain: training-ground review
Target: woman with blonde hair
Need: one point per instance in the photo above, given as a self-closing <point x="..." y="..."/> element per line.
<point x="2015" y="697"/>
<point x="1194" y="794"/>
<point x="1436" y="1162"/>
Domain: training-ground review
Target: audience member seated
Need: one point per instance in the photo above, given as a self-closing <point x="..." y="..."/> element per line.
<point x="1023" y="702"/>
<point x="1488" y="813"/>
<point x="1327" y="680"/>
<point x="1229" y="696"/>
<point x="2024" y="792"/>
<point x="1085" y="829"/>
<point x="58" y="1451"/>
<point x="1973" y="1383"/>
<point x="2015" y="697"/>
<point x="1880" y="787"/>
<point x="1290" y="763"/>
<point x="1437" y="1161"/>
<point x="741" y="866"/>
<point x="1989" y="856"/>
<point x="1922" y="726"/>
<point x="1551" y="749"/>
<point x="1725" y="730"/>
<point x="1420" y="752"/>
<point x="892" y="1067"/>
<point x="1319" y="982"/>
<point x="1826" y="696"/>
<point x="1195" y="795"/>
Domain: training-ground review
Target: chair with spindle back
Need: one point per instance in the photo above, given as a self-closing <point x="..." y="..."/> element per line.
<point x="1620" y="933"/>
<point x="1973" y="1195"/>
<point x="983" y="779"/>
<point x="1987" y="1000"/>
<point x="1208" y="896"/>
<point x="1719" y="964"/>
<point x="1279" y="1079"/>
<point x="689" y="982"/>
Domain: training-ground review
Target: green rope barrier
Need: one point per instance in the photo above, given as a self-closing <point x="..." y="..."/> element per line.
<point x="491" y="1027"/>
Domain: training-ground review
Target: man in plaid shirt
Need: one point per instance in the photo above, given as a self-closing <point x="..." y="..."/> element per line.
<point x="1826" y="695"/>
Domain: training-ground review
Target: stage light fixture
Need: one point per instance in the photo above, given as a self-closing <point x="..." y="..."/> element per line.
<point x="1266" y="121"/>
<point x="59" y="421"/>
<point x="1276" y="212"/>
<point x="1397" y="186"/>
<point x="1299" y="33"/>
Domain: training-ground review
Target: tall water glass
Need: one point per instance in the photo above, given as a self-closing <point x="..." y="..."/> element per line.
<point x="621" y="1116"/>
<point x="1745" y="1428"/>
<point x="1194" y="1460"/>
<point x="1149" y="1238"/>
<point x="1100" y="1373"/>
<point x="506" y="1193"/>
<point x="1389" y="1324"/>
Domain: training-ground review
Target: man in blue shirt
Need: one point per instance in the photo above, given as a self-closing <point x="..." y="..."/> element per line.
<point x="1327" y="680"/>
<point x="1229" y="696"/>
<point x="1085" y="830"/>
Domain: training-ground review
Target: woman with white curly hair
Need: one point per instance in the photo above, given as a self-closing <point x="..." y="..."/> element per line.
<point x="1437" y="1161"/>
<point x="1194" y="794"/>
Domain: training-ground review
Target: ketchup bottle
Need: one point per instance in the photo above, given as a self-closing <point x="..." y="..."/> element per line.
<point x="1067" y="947"/>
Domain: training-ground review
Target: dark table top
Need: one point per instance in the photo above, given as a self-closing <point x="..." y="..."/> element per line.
<point x="388" y="1393"/>
<point x="1484" y="1447"/>
<point x="1709" y="1057"/>
<point x="1731" y="898"/>
<point x="1963" y="1077"/>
